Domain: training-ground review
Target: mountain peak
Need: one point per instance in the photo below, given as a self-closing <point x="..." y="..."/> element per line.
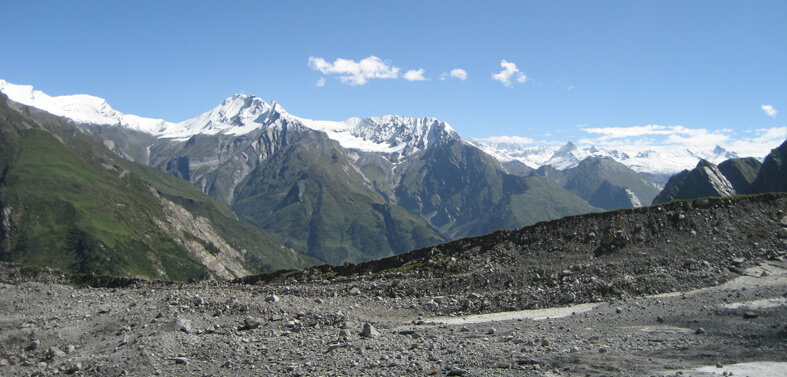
<point x="569" y="147"/>
<point x="236" y="115"/>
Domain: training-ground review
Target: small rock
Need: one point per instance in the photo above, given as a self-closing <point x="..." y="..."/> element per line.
<point x="251" y="323"/>
<point x="369" y="331"/>
<point x="464" y="329"/>
<point x="738" y="261"/>
<point x="699" y="331"/>
<point x="272" y="298"/>
<point x="456" y="372"/>
<point x="344" y="333"/>
<point x="782" y="233"/>
<point x="55" y="352"/>
<point x="34" y="345"/>
<point x="103" y="309"/>
<point x="491" y="331"/>
<point x="355" y="291"/>
<point x="181" y="360"/>
<point x="659" y="319"/>
<point x="750" y="315"/>
<point x="618" y="310"/>
<point x="3" y="362"/>
<point x="602" y="349"/>
<point x="432" y="371"/>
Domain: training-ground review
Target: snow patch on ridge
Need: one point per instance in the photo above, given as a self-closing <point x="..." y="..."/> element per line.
<point x="385" y="134"/>
<point x="81" y="108"/>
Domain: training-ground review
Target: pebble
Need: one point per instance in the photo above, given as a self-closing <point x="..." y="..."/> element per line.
<point x="272" y="298"/>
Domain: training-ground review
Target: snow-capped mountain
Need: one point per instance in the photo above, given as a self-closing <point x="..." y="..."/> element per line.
<point x="385" y="134"/>
<point x="242" y="114"/>
<point x="237" y="115"/>
<point x="81" y="108"/>
<point x="659" y="162"/>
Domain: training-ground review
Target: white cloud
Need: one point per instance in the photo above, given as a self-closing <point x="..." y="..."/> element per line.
<point x="509" y="73"/>
<point x="356" y="73"/>
<point x="508" y="140"/>
<point x="320" y="82"/>
<point x="415" y="75"/>
<point x="769" y="110"/>
<point x="458" y="73"/>
<point x="570" y="88"/>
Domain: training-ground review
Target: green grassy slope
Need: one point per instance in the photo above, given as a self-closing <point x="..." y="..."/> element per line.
<point x="69" y="203"/>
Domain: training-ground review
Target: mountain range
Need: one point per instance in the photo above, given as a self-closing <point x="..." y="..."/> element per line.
<point x="367" y="188"/>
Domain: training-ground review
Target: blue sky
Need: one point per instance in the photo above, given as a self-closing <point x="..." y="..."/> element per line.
<point x="615" y="72"/>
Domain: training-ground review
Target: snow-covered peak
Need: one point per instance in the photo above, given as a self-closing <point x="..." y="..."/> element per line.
<point x="386" y="134"/>
<point x="80" y="108"/>
<point x="237" y="115"/>
<point x="719" y="155"/>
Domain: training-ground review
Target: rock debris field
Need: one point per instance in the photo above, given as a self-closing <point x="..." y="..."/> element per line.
<point x="607" y="296"/>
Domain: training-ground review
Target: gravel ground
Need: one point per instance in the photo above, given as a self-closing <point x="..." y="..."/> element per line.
<point x="49" y="328"/>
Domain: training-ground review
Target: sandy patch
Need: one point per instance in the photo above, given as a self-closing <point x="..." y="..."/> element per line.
<point x="753" y="369"/>
<point x="757" y="304"/>
<point x="535" y="315"/>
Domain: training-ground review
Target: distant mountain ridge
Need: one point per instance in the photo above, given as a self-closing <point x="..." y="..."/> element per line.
<point x="657" y="164"/>
<point x="731" y="177"/>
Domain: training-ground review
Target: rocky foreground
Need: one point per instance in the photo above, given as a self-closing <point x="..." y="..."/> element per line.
<point x="654" y="291"/>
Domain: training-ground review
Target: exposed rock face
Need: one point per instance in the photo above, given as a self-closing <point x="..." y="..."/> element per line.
<point x="198" y="235"/>
<point x="704" y="180"/>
